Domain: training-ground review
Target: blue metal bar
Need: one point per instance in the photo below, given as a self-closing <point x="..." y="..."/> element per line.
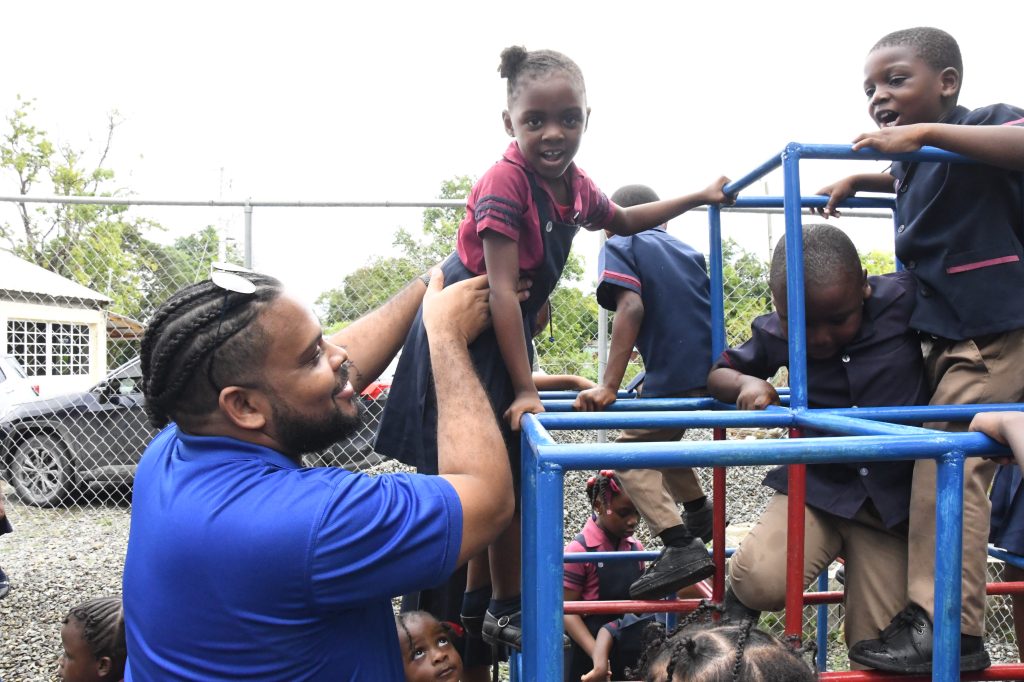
<point x="641" y="404"/>
<point x="922" y="413"/>
<point x="815" y="200"/>
<point x="542" y="529"/>
<point x="753" y="452"/>
<point x="649" y="420"/>
<point x="795" y="279"/>
<point x="753" y="176"/>
<point x="845" y="151"/>
<point x="949" y="504"/>
<point x="822" y="625"/>
<point x="718" y="340"/>
<point x="848" y="426"/>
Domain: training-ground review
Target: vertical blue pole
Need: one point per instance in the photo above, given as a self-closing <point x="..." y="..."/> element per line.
<point x="542" y="560"/>
<point x="795" y="278"/>
<point x="822" y="628"/>
<point x="949" y="507"/>
<point x="717" y="281"/>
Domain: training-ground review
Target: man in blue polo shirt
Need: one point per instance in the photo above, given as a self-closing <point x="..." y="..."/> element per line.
<point x="658" y="287"/>
<point x="241" y="563"/>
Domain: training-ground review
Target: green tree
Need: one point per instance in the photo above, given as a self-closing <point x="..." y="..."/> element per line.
<point x="747" y="295"/>
<point x="878" y="262"/>
<point x="97" y="246"/>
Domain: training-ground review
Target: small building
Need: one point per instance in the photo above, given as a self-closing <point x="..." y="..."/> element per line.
<point x="54" y="326"/>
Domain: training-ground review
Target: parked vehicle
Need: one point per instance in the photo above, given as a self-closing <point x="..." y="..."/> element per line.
<point x="56" y="447"/>
<point x="15" y="387"/>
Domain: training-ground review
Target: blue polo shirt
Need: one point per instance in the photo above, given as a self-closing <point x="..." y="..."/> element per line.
<point x="243" y="565"/>
<point x="881" y="366"/>
<point x="960" y="232"/>
<point x="672" y="280"/>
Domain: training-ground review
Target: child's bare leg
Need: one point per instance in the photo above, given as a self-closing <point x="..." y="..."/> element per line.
<point x="506" y="561"/>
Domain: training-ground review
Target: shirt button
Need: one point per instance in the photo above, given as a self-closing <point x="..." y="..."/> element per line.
<point x="863" y="471"/>
<point x="547" y="228"/>
<point x="910" y="264"/>
<point x="901" y="228"/>
<point x="846" y="357"/>
<point x="926" y="292"/>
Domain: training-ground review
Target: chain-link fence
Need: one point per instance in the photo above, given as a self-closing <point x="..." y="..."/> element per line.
<point x="73" y="308"/>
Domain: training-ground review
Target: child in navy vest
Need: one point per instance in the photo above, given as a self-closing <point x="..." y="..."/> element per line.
<point x="960" y="234"/>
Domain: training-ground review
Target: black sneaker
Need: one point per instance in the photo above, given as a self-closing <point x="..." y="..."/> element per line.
<point x="905" y="646"/>
<point x="700" y="522"/>
<point x="5" y="584"/>
<point x="676" y="568"/>
<point x="735" y="612"/>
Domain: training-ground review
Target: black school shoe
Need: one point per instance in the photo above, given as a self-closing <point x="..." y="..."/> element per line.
<point x="508" y="630"/>
<point x="5" y="584"/>
<point x="676" y="568"/>
<point x="905" y="646"/>
<point x="700" y="523"/>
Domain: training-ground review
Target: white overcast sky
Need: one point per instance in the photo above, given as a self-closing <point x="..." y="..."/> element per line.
<point x="381" y="100"/>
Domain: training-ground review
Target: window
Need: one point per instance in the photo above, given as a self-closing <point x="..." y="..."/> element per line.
<point x="49" y="348"/>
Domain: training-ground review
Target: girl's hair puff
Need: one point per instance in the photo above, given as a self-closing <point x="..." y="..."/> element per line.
<point x="102" y="622"/>
<point x="518" y="65"/>
<point x="604" y="486"/>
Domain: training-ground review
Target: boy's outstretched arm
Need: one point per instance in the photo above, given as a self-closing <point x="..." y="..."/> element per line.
<point x="562" y="382"/>
<point x="996" y="145"/>
<point x="749" y="393"/>
<point x="633" y="219"/>
<point x="1004" y="427"/>
<point x="629" y="315"/>
<point x="601" y="656"/>
<point x="840" y="191"/>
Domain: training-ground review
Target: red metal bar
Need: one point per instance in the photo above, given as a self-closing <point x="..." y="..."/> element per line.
<point x="1005" y="588"/>
<point x="795" y="548"/>
<point x="718" y="527"/>
<point x="584" y="608"/>
<point x="1012" y="671"/>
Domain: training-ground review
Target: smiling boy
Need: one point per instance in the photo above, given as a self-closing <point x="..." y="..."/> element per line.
<point x="960" y="234"/>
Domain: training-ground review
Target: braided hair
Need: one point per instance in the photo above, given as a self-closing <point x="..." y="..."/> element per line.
<point x="519" y="65"/>
<point x="453" y="630"/>
<point x="605" y="486"/>
<point x="201" y="339"/>
<point x="700" y="651"/>
<point x="102" y="622"/>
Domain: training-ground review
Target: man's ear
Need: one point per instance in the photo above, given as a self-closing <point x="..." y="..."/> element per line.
<point x="950" y="79"/>
<point x="103" y="666"/>
<point x="506" y="118"/>
<point x="246" y="408"/>
<point x="586" y="122"/>
<point x="867" y="286"/>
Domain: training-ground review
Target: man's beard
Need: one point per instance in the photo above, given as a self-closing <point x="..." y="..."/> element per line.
<point x="299" y="434"/>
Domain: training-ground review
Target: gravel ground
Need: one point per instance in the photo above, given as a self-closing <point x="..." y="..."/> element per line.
<point x="58" y="558"/>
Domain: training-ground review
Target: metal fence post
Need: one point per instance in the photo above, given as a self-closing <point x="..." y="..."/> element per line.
<point x="248" y="234"/>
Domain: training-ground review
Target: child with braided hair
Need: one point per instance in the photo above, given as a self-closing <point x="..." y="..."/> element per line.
<point x="609" y="529"/>
<point x="94" y="642"/>
<point x="428" y="648"/>
<point x="700" y="651"/>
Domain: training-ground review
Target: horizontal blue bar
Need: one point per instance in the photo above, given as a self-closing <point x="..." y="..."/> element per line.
<point x="621" y="419"/>
<point x="923" y="413"/>
<point x="845" y="151"/>
<point x="997" y="553"/>
<point x="816" y="201"/>
<point x="641" y="405"/>
<point x="768" y="451"/>
<point x="848" y="426"/>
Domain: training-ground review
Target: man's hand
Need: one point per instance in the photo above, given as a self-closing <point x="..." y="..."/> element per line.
<point x="756" y="394"/>
<point x="462" y="308"/>
<point x="595" y="399"/>
<point x="524" y="402"/>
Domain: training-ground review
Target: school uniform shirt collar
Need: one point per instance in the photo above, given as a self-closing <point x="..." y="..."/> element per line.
<point x="514" y="156"/>
<point x="192" y="447"/>
<point x="595" y="537"/>
<point x="884" y="292"/>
